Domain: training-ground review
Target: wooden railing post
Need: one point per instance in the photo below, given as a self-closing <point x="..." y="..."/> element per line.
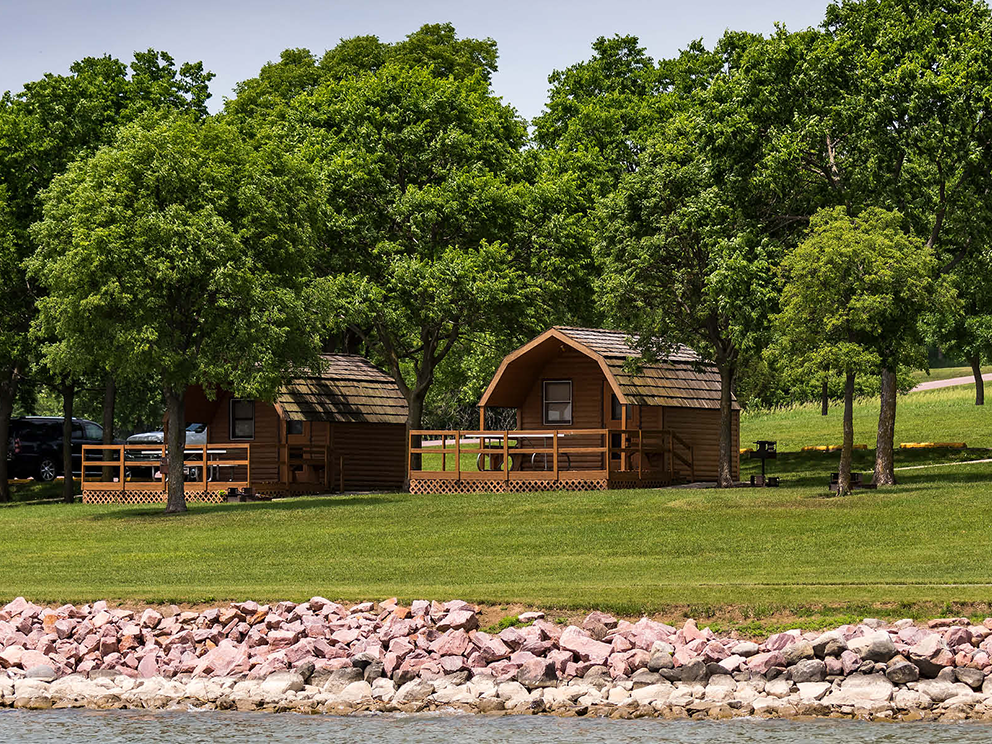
<point x="205" y="486"/>
<point x="640" y="453"/>
<point x="506" y="455"/>
<point x="82" y="469"/>
<point x="163" y="471"/>
<point x="248" y="464"/>
<point x="458" y="455"/>
<point x="554" y="450"/>
<point x="123" y="458"/>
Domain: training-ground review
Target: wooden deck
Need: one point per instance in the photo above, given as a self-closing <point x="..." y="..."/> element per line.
<point x="546" y="460"/>
<point x="139" y="473"/>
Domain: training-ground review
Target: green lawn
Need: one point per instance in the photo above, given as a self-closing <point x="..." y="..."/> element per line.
<point x="945" y="415"/>
<point x="920" y="548"/>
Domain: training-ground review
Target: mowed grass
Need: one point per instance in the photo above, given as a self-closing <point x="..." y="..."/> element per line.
<point x="943" y="415"/>
<point x="919" y="548"/>
<point x="923" y="541"/>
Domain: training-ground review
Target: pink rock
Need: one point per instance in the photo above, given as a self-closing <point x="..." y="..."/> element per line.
<point x="732" y="663"/>
<point x="683" y="655"/>
<point x="560" y="659"/>
<point x="34" y="658"/>
<point x="780" y="641"/>
<point x="11" y="656"/>
<point x="957" y="637"/>
<point x="587" y="649"/>
<point x="400" y="647"/>
<point x="344" y="637"/>
<point x="108" y="645"/>
<point x="618" y="666"/>
<point x="16" y="607"/>
<point x="690" y="632"/>
<point x="148" y="666"/>
<point x="548" y="631"/>
<point x="451" y="664"/>
<point x="715" y="651"/>
<point x="228" y="659"/>
<point x="452" y="643"/>
<point x="101" y="619"/>
<point x="850" y="661"/>
<point x="492" y="649"/>
<point x="150" y="618"/>
<point x="594" y="619"/>
<point x="512" y="637"/>
<point x="305" y="649"/>
<point x="503" y="671"/>
<point x="621" y="644"/>
<point x="761" y="663"/>
<point x="459" y="620"/>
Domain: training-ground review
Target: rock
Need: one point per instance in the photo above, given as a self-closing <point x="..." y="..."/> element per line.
<point x="761" y="663"/>
<point x="931" y="655"/>
<point x="41" y="672"/>
<point x="745" y="648"/>
<point x="940" y="691"/>
<point x="660" y="661"/>
<point x="798" y="651"/>
<point x="850" y="662"/>
<point x="529" y="617"/>
<point x="373" y="671"/>
<point x="413" y="692"/>
<point x="813" y="690"/>
<point x="830" y="643"/>
<point x="809" y="670"/>
<point x="859" y="689"/>
<point x="658" y="693"/>
<point x="356" y="693"/>
<point x="279" y="683"/>
<point x="877" y="646"/>
<point x="645" y="678"/>
<point x="974" y="678"/>
<point x="779" y="688"/>
<point x="695" y="671"/>
<point x="459" y="620"/>
<point x="537" y="673"/>
<point x="902" y="672"/>
<point x="586" y="648"/>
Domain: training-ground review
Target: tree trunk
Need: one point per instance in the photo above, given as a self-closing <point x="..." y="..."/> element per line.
<point x="175" y="450"/>
<point x="825" y="397"/>
<point x="8" y="387"/>
<point x="885" y="474"/>
<point x="976" y="370"/>
<point x="725" y="470"/>
<point x="414" y="421"/>
<point x="844" y="473"/>
<point x="68" y="485"/>
<point x="109" y="402"/>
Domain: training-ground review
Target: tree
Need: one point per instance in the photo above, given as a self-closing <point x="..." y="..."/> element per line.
<point x="424" y="190"/>
<point x="181" y="254"/>
<point x="15" y="310"/>
<point x="46" y="126"/>
<point x="896" y="112"/>
<point x="964" y="331"/>
<point x="850" y="288"/>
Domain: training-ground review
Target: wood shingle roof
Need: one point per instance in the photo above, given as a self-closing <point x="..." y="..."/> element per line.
<point x="350" y="389"/>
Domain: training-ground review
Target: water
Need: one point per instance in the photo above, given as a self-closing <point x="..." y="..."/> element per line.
<point x="118" y="727"/>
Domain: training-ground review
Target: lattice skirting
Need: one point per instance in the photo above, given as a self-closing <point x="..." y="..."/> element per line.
<point x="147" y="497"/>
<point x="482" y="486"/>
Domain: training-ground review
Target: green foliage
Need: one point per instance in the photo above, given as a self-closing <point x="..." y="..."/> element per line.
<point x="179" y="254"/>
<point x="852" y="287"/>
<point x="425" y="194"/>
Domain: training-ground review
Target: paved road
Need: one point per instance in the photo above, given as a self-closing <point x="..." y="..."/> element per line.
<point x="934" y="384"/>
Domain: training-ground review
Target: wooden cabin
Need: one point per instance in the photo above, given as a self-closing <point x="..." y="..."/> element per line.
<point x="584" y="420"/>
<point x="341" y="430"/>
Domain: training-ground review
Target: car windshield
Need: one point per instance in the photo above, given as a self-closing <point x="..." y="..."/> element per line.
<point x="196" y="428"/>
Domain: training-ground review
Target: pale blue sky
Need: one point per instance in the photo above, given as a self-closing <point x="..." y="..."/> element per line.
<point x="234" y="38"/>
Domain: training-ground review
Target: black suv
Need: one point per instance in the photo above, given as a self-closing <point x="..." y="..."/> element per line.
<point x="35" y="447"/>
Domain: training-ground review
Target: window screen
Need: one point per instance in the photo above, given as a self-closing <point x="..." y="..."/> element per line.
<point x="242" y="419"/>
<point x="294" y="427"/>
<point x="558" y="402"/>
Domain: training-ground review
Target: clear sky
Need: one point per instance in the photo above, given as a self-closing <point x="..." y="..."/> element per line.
<point x="234" y="38"/>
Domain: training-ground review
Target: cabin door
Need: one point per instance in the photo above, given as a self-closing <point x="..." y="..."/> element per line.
<point x="614" y="420"/>
<point x="298" y="435"/>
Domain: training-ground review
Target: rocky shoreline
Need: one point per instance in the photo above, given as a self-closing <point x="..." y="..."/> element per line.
<point x="322" y="657"/>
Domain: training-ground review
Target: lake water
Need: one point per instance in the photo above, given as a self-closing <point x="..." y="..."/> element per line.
<point x="118" y="727"/>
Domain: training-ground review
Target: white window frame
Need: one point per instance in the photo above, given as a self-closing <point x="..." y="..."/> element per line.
<point x="230" y="419"/>
<point x="545" y="401"/>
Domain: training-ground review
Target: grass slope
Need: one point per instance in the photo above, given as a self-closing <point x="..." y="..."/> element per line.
<point x="945" y="373"/>
<point x="944" y="415"/>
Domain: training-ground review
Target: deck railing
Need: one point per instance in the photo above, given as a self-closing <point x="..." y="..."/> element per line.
<point x="548" y="454"/>
<point x="144" y="467"/>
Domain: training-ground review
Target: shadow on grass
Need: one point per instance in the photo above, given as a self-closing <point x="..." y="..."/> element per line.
<point x="278" y="505"/>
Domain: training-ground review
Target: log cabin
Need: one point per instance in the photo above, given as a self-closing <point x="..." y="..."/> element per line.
<point x="343" y="429"/>
<point x="590" y="414"/>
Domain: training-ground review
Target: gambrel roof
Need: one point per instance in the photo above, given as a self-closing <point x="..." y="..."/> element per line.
<point x="682" y="379"/>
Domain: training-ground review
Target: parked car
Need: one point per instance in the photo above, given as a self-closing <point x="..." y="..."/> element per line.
<point x="35" y="447"/>
<point x="196" y="434"/>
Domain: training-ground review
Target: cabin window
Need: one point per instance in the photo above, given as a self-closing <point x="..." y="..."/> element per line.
<point x="616" y="410"/>
<point x="294" y="427"/>
<point x="558" y="402"/>
<point x="242" y="418"/>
